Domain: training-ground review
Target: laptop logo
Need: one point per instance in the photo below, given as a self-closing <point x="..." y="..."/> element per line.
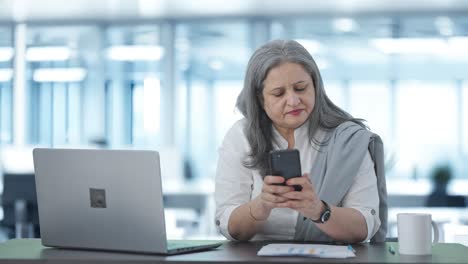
<point x="97" y="198"/>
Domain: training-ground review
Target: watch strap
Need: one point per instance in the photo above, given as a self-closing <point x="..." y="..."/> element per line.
<point x="325" y="211"/>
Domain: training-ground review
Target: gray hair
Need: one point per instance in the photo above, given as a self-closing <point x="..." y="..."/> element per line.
<point x="325" y="115"/>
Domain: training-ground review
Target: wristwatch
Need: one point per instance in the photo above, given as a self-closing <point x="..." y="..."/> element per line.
<point x="325" y="215"/>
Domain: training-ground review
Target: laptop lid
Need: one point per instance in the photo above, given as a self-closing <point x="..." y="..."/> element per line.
<point x="100" y="199"/>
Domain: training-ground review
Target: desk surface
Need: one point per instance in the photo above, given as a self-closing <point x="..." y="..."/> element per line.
<point x="31" y="251"/>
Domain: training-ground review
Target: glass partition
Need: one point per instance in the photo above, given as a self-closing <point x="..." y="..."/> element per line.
<point x="134" y="81"/>
<point x="426" y="126"/>
<point x="6" y="83"/>
<point x="402" y="75"/>
<point x="61" y="69"/>
<point x="371" y="101"/>
<point x="464" y="119"/>
<point x="211" y="59"/>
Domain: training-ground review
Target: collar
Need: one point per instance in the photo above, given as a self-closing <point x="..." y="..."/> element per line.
<point x="300" y="137"/>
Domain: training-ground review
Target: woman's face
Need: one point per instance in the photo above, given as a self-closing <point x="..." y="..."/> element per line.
<point x="289" y="95"/>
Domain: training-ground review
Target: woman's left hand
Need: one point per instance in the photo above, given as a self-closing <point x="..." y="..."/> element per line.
<point x="306" y="201"/>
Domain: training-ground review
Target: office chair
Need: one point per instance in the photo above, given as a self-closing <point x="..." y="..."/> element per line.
<point x="19" y="204"/>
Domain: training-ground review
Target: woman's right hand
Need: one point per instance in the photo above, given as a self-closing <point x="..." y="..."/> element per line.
<point x="270" y="197"/>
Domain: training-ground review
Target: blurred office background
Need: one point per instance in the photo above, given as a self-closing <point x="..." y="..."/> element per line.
<point x="165" y="75"/>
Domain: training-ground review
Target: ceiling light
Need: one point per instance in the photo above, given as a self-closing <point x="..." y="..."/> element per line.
<point x="410" y="45"/>
<point x="312" y="46"/>
<point x="135" y="53"/>
<point x="6" y="53"/>
<point x="6" y="75"/>
<point x="444" y="25"/>
<point x="345" y="25"/>
<point x="59" y="75"/>
<point x="216" y="65"/>
<point x="50" y="53"/>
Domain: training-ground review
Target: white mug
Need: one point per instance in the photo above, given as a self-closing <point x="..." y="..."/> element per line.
<point x="414" y="234"/>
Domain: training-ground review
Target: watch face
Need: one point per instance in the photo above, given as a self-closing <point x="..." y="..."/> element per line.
<point x="325" y="216"/>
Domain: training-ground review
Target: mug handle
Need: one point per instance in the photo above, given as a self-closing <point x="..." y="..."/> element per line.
<point x="436" y="232"/>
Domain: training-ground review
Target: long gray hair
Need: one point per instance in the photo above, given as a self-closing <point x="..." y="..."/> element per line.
<point x="325" y="115"/>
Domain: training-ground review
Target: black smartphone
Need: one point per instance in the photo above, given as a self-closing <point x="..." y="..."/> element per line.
<point x="286" y="163"/>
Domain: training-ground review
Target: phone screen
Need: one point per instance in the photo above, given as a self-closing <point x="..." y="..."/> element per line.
<point x="286" y="163"/>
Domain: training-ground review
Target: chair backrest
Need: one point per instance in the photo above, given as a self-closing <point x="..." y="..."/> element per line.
<point x="19" y="200"/>
<point x="19" y="188"/>
<point x="376" y="150"/>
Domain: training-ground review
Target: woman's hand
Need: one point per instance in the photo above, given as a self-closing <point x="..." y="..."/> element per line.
<point x="271" y="197"/>
<point x="306" y="201"/>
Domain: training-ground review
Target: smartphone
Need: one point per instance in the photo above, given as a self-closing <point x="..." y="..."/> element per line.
<point x="286" y="163"/>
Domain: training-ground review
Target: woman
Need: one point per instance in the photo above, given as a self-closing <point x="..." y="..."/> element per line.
<point x="285" y="107"/>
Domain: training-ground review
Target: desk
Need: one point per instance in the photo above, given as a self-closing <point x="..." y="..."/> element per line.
<point x="31" y="251"/>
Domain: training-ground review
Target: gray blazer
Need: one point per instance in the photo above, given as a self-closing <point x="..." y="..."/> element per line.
<point x="337" y="164"/>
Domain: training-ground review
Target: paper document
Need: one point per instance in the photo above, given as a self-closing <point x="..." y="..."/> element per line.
<point x="307" y="250"/>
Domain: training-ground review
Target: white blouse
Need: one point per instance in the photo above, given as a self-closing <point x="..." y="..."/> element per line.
<point x="237" y="185"/>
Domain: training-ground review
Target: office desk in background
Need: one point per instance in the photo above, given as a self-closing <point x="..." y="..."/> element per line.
<point x="31" y="251"/>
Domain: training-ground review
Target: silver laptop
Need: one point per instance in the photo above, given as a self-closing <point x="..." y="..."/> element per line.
<point x="104" y="199"/>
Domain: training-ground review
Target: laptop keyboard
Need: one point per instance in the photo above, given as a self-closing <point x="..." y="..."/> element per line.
<point x="178" y="244"/>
